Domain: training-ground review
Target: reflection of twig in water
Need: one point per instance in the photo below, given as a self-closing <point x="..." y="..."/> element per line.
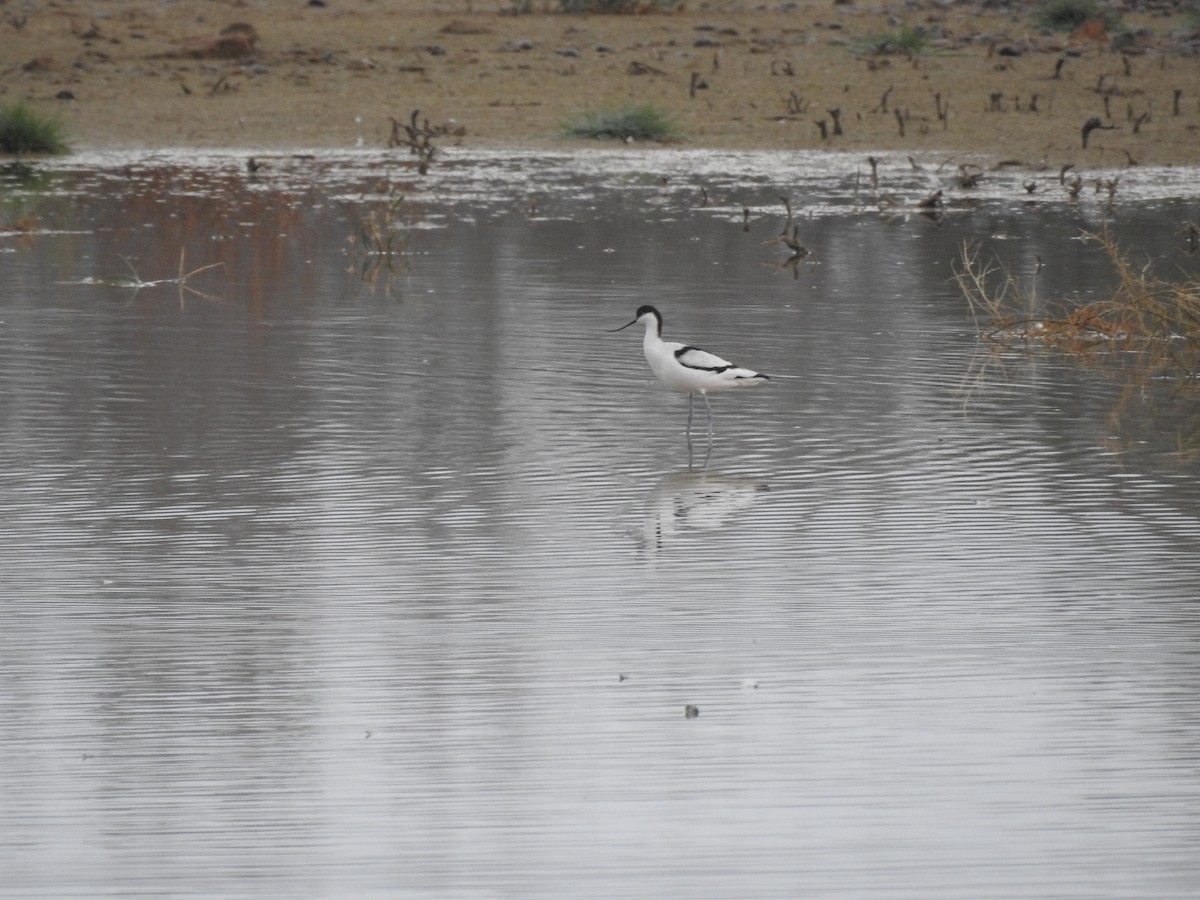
<point x="374" y="267"/>
<point x="987" y="368"/>
<point x="1150" y="407"/>
<point x="798" y="251"/>
<point x="1152" y="411"/>
<point x="789" y="236"/>
<point x="184" y="276"/>
<point x="136" y="282"/>
<point x="384" y="242"/>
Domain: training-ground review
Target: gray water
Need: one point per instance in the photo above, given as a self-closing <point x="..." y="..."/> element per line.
<point x="338" y="574"/>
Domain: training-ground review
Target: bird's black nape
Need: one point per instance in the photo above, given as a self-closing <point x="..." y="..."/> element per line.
<point x="644" y="310"/>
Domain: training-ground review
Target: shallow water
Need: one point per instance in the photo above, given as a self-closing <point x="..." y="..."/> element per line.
<point x="342" y="574"/>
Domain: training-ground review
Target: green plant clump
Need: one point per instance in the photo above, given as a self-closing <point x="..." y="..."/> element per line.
<point x="1067" y="15"/>
<point x="907" y="41"/>
<point x="640" y="122"/>
<point x="24" y="131"/>
<point x="1191" y="16"/>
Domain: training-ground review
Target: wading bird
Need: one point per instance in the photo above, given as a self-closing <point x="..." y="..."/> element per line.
<point x="688" y="370"/>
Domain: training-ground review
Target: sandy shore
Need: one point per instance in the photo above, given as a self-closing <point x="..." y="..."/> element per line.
<point x="772" y="76"/>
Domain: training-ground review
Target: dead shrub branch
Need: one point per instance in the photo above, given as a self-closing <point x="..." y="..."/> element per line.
<point x="1144" y="313"/>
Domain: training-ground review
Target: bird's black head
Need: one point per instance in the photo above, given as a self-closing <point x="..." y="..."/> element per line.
<point x="641" y="313"/>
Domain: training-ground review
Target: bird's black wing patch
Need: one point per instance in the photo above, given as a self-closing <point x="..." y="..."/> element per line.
<point x="695" y="358"/>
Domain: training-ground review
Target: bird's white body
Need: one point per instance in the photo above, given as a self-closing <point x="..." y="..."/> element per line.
<point x="690" y="370"/>
<point x="686" y="369"/>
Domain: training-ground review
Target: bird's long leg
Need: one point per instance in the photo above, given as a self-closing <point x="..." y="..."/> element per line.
<point x="709" y="410"/>
<point x="691" y="397"/>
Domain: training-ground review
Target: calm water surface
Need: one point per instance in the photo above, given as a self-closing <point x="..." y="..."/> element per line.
<point x="348" y="574"/>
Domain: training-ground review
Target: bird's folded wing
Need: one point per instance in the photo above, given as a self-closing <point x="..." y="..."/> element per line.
<point x="695" y="358"/>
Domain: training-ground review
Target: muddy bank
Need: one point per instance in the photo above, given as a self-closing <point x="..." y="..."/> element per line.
<point x="774" y="76"/>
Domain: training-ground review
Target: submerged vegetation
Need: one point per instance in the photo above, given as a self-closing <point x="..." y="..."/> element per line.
<point x="382" y="240"/>
<point x="637" y="122"/>
<point x="22" y="130"/>
<point x="382" y="236"/>
<point x="1145" y="314"/>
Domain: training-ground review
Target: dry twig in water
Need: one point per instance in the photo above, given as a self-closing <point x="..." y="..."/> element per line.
<point x="1145" y="314"/>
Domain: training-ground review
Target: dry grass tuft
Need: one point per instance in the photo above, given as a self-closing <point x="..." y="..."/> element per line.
<point x="1144" y="314"/>
<point x="1146" y="334"/>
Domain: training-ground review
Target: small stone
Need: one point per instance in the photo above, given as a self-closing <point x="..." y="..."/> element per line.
<point x="459" y="26"/>
<point x="42" y="64"/>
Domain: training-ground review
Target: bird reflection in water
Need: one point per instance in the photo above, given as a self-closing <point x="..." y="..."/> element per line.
<point x="695" y="501"/>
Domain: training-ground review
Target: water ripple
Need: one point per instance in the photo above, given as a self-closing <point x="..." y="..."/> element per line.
<point x="323" y="590"/>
